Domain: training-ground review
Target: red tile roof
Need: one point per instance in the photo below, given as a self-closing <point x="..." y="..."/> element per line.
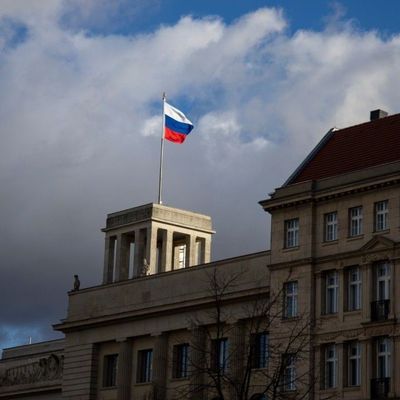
<point x="354" y="148"/>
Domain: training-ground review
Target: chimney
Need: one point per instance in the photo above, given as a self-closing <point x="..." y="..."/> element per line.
<point x="377" y="114"/>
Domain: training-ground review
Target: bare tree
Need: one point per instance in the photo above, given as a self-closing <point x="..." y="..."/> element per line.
<point x="251" y="343"/>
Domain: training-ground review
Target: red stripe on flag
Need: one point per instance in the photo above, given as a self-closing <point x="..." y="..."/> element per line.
<point x="174" y="137"/>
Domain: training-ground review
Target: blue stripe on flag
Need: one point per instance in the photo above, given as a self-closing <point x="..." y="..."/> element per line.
<point x="176" y="126"/>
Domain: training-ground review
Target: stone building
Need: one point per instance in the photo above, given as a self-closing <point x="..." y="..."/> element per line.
<point x="329" y="282"/>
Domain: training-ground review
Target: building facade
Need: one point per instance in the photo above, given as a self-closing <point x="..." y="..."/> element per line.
<point x="314" y="317"/>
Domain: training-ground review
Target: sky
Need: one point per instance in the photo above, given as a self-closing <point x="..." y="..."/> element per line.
<point x="80" y="113"/>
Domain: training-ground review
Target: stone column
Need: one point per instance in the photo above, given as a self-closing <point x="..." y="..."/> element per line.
<point x="395" y="381"/>
<point x="367" y="291"/>
<point x="151" y="249"/>
<point x="340" y="361"/>
<point x="109" y="248"/>
<point x="207" y="250"/>
<point x="364" y="369"/>
<point x="197" y="363"/>
<point x="237" y="353"/>
<point x="190" y="251"/>
<point x="139" y="252"/>
<point x="124" y="374"/>
<point x="392" y="294"/>
<point x="160" y="367"/>
<point x="122" y="258"/>
<point x="319" y="301"/>
<point x="367" y="367"/>
<point x="341" y="304"/>
<point x="199" y="251"/>
<point x="166" y="256"/>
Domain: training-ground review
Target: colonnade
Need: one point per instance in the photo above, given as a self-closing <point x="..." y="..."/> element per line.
<point x="151" y="250"/>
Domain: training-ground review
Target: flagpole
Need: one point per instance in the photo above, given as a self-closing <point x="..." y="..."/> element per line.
<point x="162" y="150"/>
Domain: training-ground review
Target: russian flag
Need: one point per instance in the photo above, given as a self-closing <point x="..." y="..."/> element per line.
<point x="177" y="126"/>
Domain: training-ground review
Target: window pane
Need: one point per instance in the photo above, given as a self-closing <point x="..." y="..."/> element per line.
<point x="290" y="300"/>
<point x="355" y="222"/>
<point x="110" y="370"/>
<point x="292" y="232"/>
<point x="145" y="366"/>
<point x="332" y="291"/>
<point x="331" y="226"/>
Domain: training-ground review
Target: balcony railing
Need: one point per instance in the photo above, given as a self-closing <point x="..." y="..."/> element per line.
<point x="380" y="310"/>
<point x="380" y="388"/>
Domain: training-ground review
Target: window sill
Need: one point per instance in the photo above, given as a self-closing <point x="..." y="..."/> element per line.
<point x="330" y="242"/>
<point x="288" y="249"/>
<point x="382" y="232"/>
<point x="259" y="369"/>
<point x="329" y="390"/>
<point x="108" y="388"/>
<point x="180" y="379"/>
<point x="290" y="319"/>
<point x="329" y="316"/>
<point x="352" y="388"/>
<point x="143" y="383"/>
<point x="355" y="237"/>
<point x="352" y="312"/>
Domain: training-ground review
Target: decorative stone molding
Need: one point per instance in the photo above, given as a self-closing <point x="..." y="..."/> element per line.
<point x="45" y="369"/>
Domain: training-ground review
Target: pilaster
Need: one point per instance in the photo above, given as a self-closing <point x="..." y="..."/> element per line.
<point x="197" y="363"/>
<point x="122" y="258"/>
<point x="160" y="367"/>
<point x="124" y="375"/>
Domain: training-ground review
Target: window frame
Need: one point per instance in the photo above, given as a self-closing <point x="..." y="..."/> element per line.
<point x="110" y="370"/>
<point x="180" y="368"/>
<point x="353" y="361"/>
<point x="386" y="355"/>
<point x="292" y="233"/>
<point x="144" y="366"/>
<point x="290" y="309"/>
<point x="331" y="226"/>
<point x="331" y="366"/>
<point x="289" y="372"/>
<point x="219" y="353"/>
<point x="332" y="289"/>
<point x="354" y="286"/>
<point x="381" y="215"/>
<point x="355" y="221"/>
<point x="260" y="350"/>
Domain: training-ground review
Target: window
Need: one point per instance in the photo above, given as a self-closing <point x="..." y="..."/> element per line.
<point x="383" y="281"/>
<point x="354" y="294"/>
<point x="220" y="355"/>
<point x="330" y="366"/>
<point x="144" y="366"/>
<point x="181" y="356"/>
<point x="332" y="292"/>
<point x="355" y="221"/>
<point x="354" y="363"/>
<point x="383" y="351"/>
<point x="110" y="370"/>
<point x="330" y="226"/>
<point x="181" y="256"/>
<point x="289" y="372"/>
<point x="260" y="350"/>
<point x="381" y="215"/>
<point x="292" y="233"/>
<point x="290" y="300"/>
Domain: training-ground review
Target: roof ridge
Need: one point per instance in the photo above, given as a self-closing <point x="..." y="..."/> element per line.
<point x="368" y="122"/>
